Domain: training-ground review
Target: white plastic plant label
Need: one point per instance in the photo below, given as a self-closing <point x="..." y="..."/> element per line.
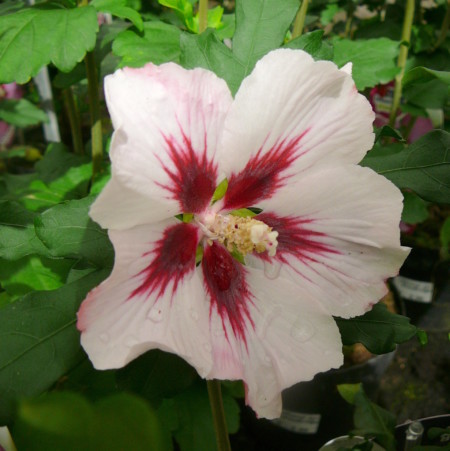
<point x="414" y="290"/>
<point x="300" y="423"/>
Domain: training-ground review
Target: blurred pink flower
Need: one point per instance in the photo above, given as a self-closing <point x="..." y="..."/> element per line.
<point x="8" y="91"/>
<point x="381" y="100"/>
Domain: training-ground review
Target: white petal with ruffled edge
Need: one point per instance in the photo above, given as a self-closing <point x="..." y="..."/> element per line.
<point x="119" y="320"/>
<point x="291" y="113"/>
<point x="293" y="339"/>
<point x="167" y="122"/>
<point x="118" y="207"/>
<point x="343" y="241"/>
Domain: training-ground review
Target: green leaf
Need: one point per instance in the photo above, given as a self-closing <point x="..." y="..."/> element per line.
<point x="422" y="167"/>
<point x="373" y="60"/>
<point x="214" y="18"/>
<point x="228" y="27"/>
<point x="189" y="415"/>
<point x="120" y="9"/>
<point x="369" y="419"/>
<point x="207" y="51"/>
<point x="184" y="10"/>
<point x="67" y="231"/>
<point x="378" y="330"/>
<point x="313" y="44"/>
<point x="21" y="113"/>
<point x="388" y="132"/>
<point x="422" y="75"/>
<point x="57" y="162"/>
<point x="414" y="209"/>
<point x="261" y="26"/>
<point x="64" y="421"/>
<point x="422" y="337"/>
<point x="39" y="340"/>
<point x="159" y="44"/>
<point x="10" y="6"/>
<point x="156" y="375"/>
<point x="235" y="389"/>
<point x="326" y="16"/>
<point x="429" y="94"/>
<point x="34" y="37"/>
<point x="60" y="175"/>
<point x="33" y="273"/>
<point x="348" y="391"/>
<point x="17" y="236"/>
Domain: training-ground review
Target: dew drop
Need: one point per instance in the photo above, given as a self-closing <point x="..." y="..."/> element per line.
<point x="194" y="314"/>
<point x="302" y="331"/>
<point x="155" y="315"/>
<point x="104" y="338"/>
<point x="267" y="360"/>
<point x="272" y="269"/>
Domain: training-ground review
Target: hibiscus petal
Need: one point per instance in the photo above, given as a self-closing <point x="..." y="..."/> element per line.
<point x="291" y="340"/>
<point x="168" y="121"/>
<point x="290" y="114"/>
<point x="343" y="241"/>
<point x="154" y="298"/>
<point x="119" y="207"/>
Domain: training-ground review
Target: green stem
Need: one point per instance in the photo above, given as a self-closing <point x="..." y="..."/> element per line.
<point x="74" y="120"/>
<point x="220" y="425"/>
<point x="94" y="109"/>
<point x="444" y="27"/>
<point x="403" y="55"/>
<point x="348" y="22"/>
<point x="300" y="20"/>
<point x="202" y="15"/>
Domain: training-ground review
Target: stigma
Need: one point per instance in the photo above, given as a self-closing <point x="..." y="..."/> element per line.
<point x="242" y="234"/>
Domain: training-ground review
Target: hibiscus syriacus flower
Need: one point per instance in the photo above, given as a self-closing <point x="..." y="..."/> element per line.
<point x="324" y="241"/>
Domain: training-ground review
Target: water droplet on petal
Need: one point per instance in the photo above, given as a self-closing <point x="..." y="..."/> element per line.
<point x="267" y="360"/>
<point x="194" y="314"/>
<point x="272" y="269"/>
<point x="155" y="315"/>
<point x="104" y="338"/>
<point x="302" y="331"/>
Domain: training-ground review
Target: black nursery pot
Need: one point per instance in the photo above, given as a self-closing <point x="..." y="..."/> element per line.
<point x="314" y="412"/>
<point x="415" y="284"/>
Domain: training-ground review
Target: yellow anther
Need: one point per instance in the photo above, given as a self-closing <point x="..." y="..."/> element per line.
<point x="244" y="235"/>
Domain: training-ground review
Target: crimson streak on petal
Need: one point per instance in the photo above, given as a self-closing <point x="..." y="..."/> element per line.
<point x="228" y="290"/>
<point x="194" y="176"/>
<point x="173" y="257"/>
<point x="295" y="238"/>
<point x="263" y="174"/>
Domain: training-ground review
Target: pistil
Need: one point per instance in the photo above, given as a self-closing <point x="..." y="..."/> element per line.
<point x="244" y="235"/>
